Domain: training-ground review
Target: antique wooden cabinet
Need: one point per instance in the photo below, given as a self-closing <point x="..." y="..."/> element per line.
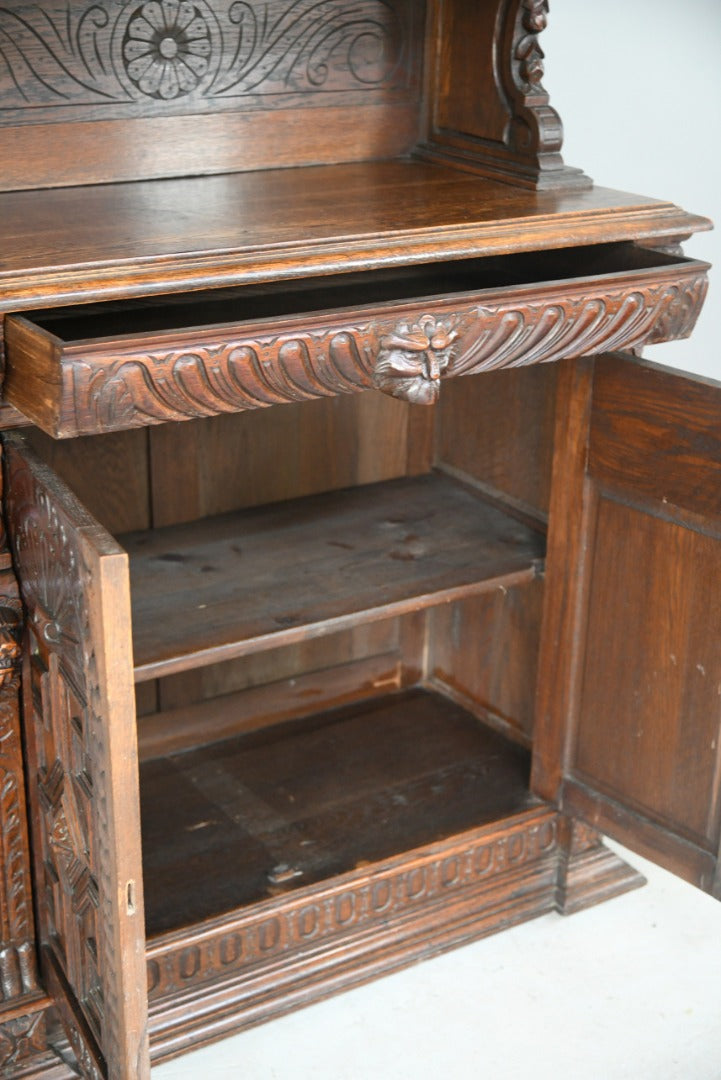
<point x="317" y="658"/>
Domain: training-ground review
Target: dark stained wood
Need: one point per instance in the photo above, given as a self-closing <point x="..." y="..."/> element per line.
<point x="28" y="1041"/>
<point x="262" y="706"/>
<point x="641" y="437"/>
<point x="144" y="238"/>
<point x="486" y="648"/>
<point x="488" y="111"/>
<point x="116" y="489"/>
<point x="589" y="872"/>
<point x="566" y="574"/>
<point x="649" y="729"/>
<point x="360" y="643"/>
<point x="629" y="721"/>
<point x="82" y="767"/>
<point x="104" y="370"/>
<point x="235" y="584"/>
<point x="352" y="928"/>
<point x="331" y="219"/>
<point x="18" y="960"/>
<point x="202" y="468"/>
<point x="10" y="418"/>
<point x="272" y="87"/>
<point x="229" y="143"/>
<point x="318" y="798"/>
<point x="512" y="458"/>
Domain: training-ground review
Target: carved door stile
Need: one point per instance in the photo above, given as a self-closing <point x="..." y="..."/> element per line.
<point x="628" y="726"/>
<point x="18" y="974"/>
<point x="82" y="762"/>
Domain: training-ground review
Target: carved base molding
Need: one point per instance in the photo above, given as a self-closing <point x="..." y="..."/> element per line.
<point x="236" y="972"/>
<point x="588" y="871"/>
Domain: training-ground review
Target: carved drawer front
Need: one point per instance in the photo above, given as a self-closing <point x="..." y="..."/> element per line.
<point x="106" y="367"/>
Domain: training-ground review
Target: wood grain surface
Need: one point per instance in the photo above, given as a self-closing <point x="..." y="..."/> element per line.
<point x="144" y="238"/>
<point x="235" y="584"/>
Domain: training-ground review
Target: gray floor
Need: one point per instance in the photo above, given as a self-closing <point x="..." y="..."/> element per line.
<point x="629" y="990"/>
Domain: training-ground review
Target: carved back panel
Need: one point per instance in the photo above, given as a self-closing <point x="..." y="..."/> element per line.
<point x="82" y="764"/>
<point x="190" y="86"/>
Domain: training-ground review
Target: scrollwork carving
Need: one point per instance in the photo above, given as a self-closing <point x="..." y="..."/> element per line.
<point x="209" y="379"/>
<point x="536" y="126"/>
<point x="406" y="355"/>
<point x="108" y="57"/>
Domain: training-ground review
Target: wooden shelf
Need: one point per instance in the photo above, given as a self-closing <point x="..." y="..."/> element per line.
<point x="319" y="797"/>
<point x="227" y="586"/>
<point x="117" y="240"/>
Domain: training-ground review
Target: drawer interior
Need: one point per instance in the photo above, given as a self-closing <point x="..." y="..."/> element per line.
<point x="342" y="291"/>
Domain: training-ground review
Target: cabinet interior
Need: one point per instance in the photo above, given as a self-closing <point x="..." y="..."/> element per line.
<point x="344" y="595"/>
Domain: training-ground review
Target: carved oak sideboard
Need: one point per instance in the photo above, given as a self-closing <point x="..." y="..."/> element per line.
<point x="356" y="571"/>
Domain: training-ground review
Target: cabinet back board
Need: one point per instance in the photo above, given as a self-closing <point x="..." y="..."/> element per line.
<point x="197" y="87"/>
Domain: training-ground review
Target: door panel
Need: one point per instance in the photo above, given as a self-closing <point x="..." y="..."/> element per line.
<point x="82" y="764"/>
<point x="629" y="727"/>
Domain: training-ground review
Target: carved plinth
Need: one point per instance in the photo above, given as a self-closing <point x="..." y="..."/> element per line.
<point x="588" y="871"/>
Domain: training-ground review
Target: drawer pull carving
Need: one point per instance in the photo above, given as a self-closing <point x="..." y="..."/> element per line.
<point x="413" y="357"/>
<point x="401" y="348"/>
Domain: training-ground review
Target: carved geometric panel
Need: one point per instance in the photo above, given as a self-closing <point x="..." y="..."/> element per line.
<point x="80" y="733"/>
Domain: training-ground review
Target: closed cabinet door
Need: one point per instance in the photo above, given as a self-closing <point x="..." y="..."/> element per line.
<point x="629" y="704"/>
<point x="79" y="719"/>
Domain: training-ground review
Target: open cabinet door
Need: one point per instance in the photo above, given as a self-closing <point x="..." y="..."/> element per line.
<point x="629" y="707"/>
<point x="79" y="720"/>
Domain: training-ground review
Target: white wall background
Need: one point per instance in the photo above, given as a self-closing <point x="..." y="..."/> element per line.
<point x="638" y="86"/>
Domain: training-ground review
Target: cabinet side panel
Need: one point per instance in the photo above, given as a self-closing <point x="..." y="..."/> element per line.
<point x="488" y="111"/>
<point x="18" y="975"/>
<point x="108" y="473"/>
<point x="498" y="428"/>
<point x="468" y="98"/>
<point x="486" y="649"/>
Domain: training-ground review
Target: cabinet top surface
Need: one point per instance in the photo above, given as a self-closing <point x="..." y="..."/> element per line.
<point x="164" y="235"/>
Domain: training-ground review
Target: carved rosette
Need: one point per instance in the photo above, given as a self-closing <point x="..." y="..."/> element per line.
<point x="406" y="354"/>
<point x="106" y="57"/>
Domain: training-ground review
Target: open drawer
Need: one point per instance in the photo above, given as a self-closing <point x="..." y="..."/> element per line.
<point x="107" y="367"/>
